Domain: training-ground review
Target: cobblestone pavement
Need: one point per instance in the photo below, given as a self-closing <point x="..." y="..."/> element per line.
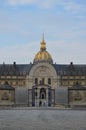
<point x="27" y="119"/>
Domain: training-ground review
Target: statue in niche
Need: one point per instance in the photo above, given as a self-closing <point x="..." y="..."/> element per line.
<point x="5" y="96"/>
<point x="78" y="96"/>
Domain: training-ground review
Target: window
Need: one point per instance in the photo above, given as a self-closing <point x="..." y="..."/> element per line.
<point x="43" y="80"/>
<point x="6" y="83"/>
<point x="49" y="81"/>
<point x="36" y="80"/>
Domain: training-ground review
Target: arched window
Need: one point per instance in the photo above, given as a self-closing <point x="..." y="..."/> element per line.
<point x="49" y="80"/>
<point x="43" y="80"/>
<point x="36" y="80"/>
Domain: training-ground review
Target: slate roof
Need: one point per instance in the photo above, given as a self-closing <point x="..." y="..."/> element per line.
<point x="15" y="69"/>
<point x="24" y="69"/>
<point x="71" y="69"/>
<point x="6" y="87"/>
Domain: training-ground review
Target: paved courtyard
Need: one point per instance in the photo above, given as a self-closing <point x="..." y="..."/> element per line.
<point x="26" y="119"/>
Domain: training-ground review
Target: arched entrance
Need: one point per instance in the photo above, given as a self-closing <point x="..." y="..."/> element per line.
<point x="41" y="96"/>
<point x="42" y="93"/>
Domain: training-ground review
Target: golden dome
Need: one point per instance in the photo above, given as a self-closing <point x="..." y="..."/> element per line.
<point x="43" y="55"/>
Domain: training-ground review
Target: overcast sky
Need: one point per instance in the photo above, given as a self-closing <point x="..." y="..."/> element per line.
<point x="22" y="23"/>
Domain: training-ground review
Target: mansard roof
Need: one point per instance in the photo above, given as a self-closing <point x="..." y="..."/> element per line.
<point x="24" y="69"/>
<point x="14" y="69"/>
<point x="70" y="69"/>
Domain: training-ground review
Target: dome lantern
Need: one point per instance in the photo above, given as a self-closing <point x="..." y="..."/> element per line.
<point x="43" y="45"/>
<point x="43" y="55"/>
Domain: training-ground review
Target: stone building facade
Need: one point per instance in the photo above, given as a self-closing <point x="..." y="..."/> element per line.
<point x="43" y="83"/>
<point x="7" y="94"/>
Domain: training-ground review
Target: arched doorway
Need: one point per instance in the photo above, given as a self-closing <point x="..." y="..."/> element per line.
<point x="42" y="93"/>
<point x="41" y="96"/>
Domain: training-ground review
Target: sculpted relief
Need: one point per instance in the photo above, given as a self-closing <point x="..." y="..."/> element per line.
<point x="42" y="71"/>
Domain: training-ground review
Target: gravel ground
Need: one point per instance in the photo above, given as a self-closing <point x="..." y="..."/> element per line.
<point x="25" y="119"/>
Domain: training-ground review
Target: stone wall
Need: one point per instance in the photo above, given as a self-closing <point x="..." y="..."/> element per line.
<point x="61" y="96"/>
<point x="21" y="96"/>
<point x="7" y="97"/>
<point x="77" y="97"/>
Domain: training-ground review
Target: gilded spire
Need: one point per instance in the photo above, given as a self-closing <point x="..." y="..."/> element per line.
<point x="43" y="44"/>
<point x="43" y="38"/>
<point x="43" y="55"/>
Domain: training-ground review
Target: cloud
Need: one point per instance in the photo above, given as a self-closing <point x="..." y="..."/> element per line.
<point x="62" y="52"/>
<point x="38" y="3"/>
<point x="21" y="53"/>
<point x="13" y="24"/>
<point x="74" y="7"/>
<point x="71" y="6"/>
<point x="65" y="52"/>
<point x="15" y="2"/>
<point x="65" y="34"/>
